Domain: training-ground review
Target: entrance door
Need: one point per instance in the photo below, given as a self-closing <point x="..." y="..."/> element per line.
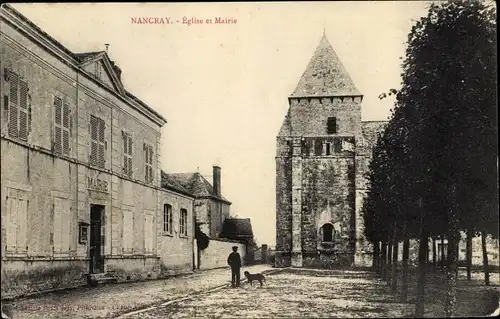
<point x="96" y="248"/>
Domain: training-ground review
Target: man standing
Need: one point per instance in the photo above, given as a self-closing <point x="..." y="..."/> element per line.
<point x="234" y="261"/>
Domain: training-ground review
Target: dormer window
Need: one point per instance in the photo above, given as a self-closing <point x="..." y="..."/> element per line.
<point x="332" y="125"/>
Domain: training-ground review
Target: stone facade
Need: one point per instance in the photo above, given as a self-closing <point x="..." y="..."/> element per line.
<point x="323" y="149"/>
<point x="80" y="177"/>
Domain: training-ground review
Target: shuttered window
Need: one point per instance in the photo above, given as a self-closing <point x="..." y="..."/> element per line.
<point x="127" y="154"/>
<point x="148" y="169"/>
<point x="97" y="142"/>
<point x="16" y="205"/>
<point x="19" y="107"/>
<point x="62" y="126"/>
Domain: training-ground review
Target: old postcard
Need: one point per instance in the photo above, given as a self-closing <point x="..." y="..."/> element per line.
<point x="249" y="159"/>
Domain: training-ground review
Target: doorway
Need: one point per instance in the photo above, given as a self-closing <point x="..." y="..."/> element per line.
<point x="96" y="239"/>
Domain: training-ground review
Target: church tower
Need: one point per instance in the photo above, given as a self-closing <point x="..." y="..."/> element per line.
<point x="316" y="167"/>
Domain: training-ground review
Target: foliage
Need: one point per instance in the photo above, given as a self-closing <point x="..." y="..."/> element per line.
<point x="202" y="239"/>
<point x="433" y="167"/>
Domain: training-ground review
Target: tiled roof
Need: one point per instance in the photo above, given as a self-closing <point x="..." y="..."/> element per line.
<point x="325" y="75"/>
<point x="193" y="183"/>
<point x="237" y="228"/>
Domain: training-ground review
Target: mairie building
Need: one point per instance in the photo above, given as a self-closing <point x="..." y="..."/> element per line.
<point x="81" y="193"/>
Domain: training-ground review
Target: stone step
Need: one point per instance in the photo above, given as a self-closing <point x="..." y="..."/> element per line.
<point x="100" y="278"/>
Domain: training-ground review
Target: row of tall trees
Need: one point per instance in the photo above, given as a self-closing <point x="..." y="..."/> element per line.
<point x="434" y="168"/>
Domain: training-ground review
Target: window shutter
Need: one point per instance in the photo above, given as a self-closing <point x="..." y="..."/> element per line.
<point x="102" y="159"/>
<point x="13" y="129"/>
<point x="23" y="110"/>
<point x="65" y="116"/>
<point x="93" y="128"/>
<point x="29" y="114"/>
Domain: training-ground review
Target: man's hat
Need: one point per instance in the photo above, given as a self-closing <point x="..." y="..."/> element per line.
<point x="235" y="247"/>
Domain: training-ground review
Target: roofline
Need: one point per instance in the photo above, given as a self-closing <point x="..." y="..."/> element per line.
<point x="71" y="56"/>
<point x="380" y="121"/>
<point x="178" y="191"/>
<point x="214" y="197"/>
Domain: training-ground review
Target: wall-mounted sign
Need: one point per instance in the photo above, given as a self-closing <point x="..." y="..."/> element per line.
<point x="96" y="184"/>
<point x="83" y="233"/>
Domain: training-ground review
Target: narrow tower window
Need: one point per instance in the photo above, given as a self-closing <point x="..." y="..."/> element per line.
<point x="332" y="125"/>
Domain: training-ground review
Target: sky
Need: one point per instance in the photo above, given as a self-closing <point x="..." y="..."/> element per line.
<point x="223" y="88"/>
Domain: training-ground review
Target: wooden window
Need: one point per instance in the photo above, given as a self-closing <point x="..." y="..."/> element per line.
<point x="127" y="154"/>
<point x="97" y="142"/>
<point x="62" y="126"/>
<point x="332" y="125"/>
<point x="167" y="218"/>
<point x="16" y="206"/>
<point x="17" y="101"/>
<point x="148" y="159"/>
<point x="183" y="222"/>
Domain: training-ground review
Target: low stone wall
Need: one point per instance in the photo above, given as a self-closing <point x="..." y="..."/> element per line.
<point x="24" y="277"/>
<point x="215" y="255"/>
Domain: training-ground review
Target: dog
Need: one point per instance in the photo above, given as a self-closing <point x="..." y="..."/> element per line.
<point x="251" y="277"/>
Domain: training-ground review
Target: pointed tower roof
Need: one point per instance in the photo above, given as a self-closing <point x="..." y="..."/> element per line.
<point x="325" y="75"/>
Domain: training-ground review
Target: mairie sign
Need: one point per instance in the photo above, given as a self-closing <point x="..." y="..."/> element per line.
<point x="96" y="184"/>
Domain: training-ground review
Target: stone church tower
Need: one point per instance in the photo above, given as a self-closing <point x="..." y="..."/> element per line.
<point x="323" y="149"/>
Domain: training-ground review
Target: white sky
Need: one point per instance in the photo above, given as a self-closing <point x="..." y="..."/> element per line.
<point x="224" y="88"/>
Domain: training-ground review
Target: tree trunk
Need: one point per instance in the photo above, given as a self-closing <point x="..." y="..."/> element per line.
<point x="451" y="270"/>
<point x="383" y="260"/>
<point x="406" y="254"/>
<point x="442" y="261"/>
<point x="389" y="263"/>
<point x="485" y="259"/>
<point x="394" y="273"/>
<point x="422" y="258"/>
<point x="468" y="256"/>
<point x="376" y="252"/>
<point x="434" y="257"/>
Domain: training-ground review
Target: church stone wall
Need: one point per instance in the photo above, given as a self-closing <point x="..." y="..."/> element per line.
<point x="328" y="197"/>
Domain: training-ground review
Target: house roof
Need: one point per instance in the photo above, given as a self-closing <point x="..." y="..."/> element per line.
<point x="237" y="228"/>
<point x="192" y="183"/>
<point x="83" y="58"/>
<point x="325" y="75"/>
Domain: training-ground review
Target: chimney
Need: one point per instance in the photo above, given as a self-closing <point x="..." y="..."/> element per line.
<point x="216" y="183"/>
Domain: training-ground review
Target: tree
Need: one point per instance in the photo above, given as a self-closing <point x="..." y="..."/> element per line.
<point x="440" y="146"/>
